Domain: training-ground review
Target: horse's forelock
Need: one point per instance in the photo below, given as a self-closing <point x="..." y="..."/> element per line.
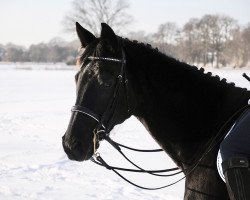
<point x="83" y="53"/>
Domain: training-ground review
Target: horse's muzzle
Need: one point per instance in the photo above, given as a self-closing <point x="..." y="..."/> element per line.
<point x="75" y="150"/>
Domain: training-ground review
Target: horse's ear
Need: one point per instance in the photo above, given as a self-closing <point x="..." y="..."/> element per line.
<point x="84" y="35"/>
<point x="108" y="36"/>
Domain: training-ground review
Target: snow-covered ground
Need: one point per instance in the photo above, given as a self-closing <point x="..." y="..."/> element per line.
<point x="34" y="66"/>
<point x="34" y="114"/>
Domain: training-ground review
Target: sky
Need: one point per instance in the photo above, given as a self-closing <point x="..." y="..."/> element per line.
<point x="26" y="22"/>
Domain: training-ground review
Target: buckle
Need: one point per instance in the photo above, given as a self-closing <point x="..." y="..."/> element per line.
<point x="241" y="162"/>
<point x="235" y="162"/>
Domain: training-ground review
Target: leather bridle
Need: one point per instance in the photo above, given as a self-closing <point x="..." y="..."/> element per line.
<point x="101" y="131"/>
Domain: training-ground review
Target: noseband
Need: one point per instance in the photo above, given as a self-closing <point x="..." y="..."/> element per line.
<point x="102" y="131"/>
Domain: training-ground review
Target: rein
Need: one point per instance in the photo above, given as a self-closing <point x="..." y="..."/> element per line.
<point x="220" y="135"/>
<point x="101" y="132"/>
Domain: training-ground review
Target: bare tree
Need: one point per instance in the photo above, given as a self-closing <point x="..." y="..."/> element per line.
<point x="90" y="13"/>
<point x="233" y="52"/>
<point x="167" y="33"/>
<point x="246" y="45"/>
<point x="166" y="38"/>
<point x="140" y="36"/>
<point x="190" y="43"/>
<point x="215" y="32"/>
<point x="204" y="26"/>
<point x="222" y="30"/>
<point x="238" y="50"/>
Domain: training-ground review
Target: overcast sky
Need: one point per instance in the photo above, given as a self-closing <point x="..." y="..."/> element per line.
<point x="28" y="21"/>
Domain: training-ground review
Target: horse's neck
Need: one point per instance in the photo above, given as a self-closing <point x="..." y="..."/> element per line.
<point x="180" y="106"/>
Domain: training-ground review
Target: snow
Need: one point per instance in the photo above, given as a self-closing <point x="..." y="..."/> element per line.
<point x="35" y="66"/>
<point x="34" y="114"/>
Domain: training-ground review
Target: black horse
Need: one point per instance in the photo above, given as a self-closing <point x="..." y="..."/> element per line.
<point x="182" y="107"/>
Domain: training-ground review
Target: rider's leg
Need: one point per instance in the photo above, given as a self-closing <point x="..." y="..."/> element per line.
<point x="235" y="152"/>
<point x="237" y="175"/>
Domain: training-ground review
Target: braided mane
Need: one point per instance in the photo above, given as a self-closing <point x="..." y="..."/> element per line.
<point x="201" y="70"/>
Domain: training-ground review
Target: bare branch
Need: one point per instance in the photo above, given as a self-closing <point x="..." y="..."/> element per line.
<point x="90" y="13"/>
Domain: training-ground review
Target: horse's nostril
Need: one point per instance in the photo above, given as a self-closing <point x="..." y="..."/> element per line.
<point x="68" y="146"/>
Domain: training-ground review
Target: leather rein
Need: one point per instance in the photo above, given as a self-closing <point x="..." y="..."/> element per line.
<point x="102" y="132"/>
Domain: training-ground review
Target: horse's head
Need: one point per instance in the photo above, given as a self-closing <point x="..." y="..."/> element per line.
<point x="104" y="94"/>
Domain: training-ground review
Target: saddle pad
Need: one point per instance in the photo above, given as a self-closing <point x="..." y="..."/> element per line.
<point x="219" y="159"/>
<point x="219" y="167"/>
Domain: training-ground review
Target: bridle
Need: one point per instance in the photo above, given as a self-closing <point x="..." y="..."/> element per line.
<point x="102" y="131"/>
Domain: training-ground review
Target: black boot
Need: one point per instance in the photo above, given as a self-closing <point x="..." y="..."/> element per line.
<point x="237" y="175"/>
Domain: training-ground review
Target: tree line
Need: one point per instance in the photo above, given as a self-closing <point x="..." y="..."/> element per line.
<point x="57" y="50"/>
<point x="214" y="40"/>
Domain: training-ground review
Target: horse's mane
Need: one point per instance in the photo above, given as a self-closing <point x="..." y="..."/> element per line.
<point x="151" y="51"/>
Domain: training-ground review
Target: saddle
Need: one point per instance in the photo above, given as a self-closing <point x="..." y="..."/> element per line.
<point x="239" y="122"/>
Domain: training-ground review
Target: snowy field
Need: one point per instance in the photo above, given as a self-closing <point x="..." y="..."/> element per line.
<point x="34" y="114"/>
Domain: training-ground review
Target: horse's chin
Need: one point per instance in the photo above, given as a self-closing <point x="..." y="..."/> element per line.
<point x="77" y="155"/>
<point x="88" y="155"/>
<point x="83" y="157"/>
